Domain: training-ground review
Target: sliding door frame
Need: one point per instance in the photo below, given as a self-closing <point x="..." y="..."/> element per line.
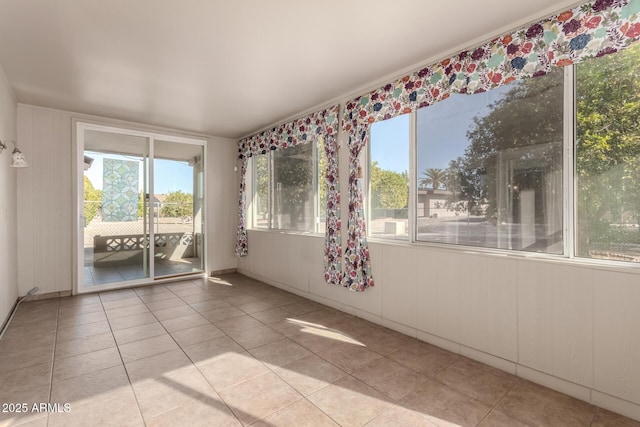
<point x="80" y="126"/>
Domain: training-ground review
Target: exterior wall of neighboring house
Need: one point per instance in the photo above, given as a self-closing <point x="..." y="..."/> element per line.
<point x="437" y="204"/>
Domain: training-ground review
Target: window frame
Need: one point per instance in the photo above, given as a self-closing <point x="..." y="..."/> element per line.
<point x="254" y="191"/>
<point x="365" y="159"/>
<point x="270" y="191"/>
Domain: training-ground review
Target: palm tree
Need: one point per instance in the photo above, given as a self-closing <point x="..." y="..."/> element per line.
<point x="433" y="177"/>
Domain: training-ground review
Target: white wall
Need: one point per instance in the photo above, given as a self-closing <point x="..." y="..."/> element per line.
<point x="8" y="219"/>
<point x="45" y="201"/>
<point x="222" y="197"/>
<point x="45" y="191"/>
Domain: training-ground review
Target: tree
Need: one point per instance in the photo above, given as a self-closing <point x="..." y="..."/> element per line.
<point x="389" y="189"/>
<point x="524" y="126"/>
<point x="608" y="146"/>
<point x="177" y="205"/>
<point x="141" y="212"/>
<point x="293" y="177"/>
<point x="323" y="162"/>
<point x="92" y="200"/>
<point x="262" y="182"/>
<point x="433" y="177"/>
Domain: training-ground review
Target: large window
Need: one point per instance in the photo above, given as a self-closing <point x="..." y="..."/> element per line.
<point x="549" y="164"/>
<point x="608" y="157"/>
<point x="389" y="179"/>
<point x="293" y="190"/>
<point x="490" y="167"/>
<point x="261" y="199"/>
<point x="285" y="189"/>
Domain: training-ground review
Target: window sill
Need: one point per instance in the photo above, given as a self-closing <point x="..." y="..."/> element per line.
<point x="289" y="232"/>
<point x="606" y="265"/>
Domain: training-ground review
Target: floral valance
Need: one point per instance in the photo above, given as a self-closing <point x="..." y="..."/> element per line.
<point x="300" y="131"/>
<point x="591" y="30"/>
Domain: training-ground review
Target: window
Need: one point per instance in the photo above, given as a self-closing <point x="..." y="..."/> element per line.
<point x="608" y="157"/>
<point x="322" y="187"/>
<point x="490" y="167"/>
<point x="389" y="179"/>
<point x="500" y="169"/>
<point x="261" y="191"/>
<point x="285" y="189"/>
<point x="293" y="190"/>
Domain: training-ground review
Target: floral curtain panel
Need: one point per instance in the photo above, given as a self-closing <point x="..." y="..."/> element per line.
<point x="591" y="30"/>
<point x="241" y="235"/>
<point x="333" y="230"/>
<point x="321" y="124"/>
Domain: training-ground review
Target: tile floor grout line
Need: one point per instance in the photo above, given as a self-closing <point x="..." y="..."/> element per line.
<point x="387" y="399"/>
<point x="187" y="356"/>
<point x="284" y="407"/>
<point x="53" y="356"/>
<point x="264" y="373"/>
<point x="593" y="417"/>
<point x="124" y="367"/>
<point x="493" y="408"/>
<point x="200" y="371"/>
<point x="211" y="385"/>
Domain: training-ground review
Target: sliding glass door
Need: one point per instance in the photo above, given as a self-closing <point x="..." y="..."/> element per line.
<point x="178" y="208"/>
<point x="136" y="188"/>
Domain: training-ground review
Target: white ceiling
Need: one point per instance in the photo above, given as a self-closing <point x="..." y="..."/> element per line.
<point x="228" y="68"/>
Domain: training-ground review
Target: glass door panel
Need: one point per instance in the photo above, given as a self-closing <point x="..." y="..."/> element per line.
<point x="177" y="208"/>
<point x="114" y="215"/>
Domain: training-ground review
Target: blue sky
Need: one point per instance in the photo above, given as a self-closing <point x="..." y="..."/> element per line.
<point x="171" y="175"/>
<point x="442" y="130"/>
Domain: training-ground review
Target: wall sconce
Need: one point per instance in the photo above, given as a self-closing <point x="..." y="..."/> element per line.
<point x="17" y="158"/>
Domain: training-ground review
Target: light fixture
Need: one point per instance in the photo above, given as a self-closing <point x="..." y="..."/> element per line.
<point x="18" y="160"/>
<point x="17" y="157"/>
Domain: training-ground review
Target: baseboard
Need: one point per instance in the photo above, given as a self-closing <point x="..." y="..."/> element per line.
<point x="223" y="271"/>
<point x="567" y="387"/>
<point x="615" y="404"/>
<point x="49" y="295"/>
<point x="5" y="322"/>
<point x="489" y="359"/>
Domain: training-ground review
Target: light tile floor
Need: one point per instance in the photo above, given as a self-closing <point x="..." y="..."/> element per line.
<point x="235" y="351"/>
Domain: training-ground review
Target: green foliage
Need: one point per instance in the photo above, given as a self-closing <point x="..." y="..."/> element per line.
<point x="141" y="212"/>
<point x="293" y="175"/>
<point x="294" y="170"/>
<point x="322" y="172"/>
<point x="389" y="189"/>
<point x="608" y="145"/>
<point x="523" y="126"/>
<point x="177" y="205"/>
<point x="92" y="200"/>
<point x="262" y="181"/>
